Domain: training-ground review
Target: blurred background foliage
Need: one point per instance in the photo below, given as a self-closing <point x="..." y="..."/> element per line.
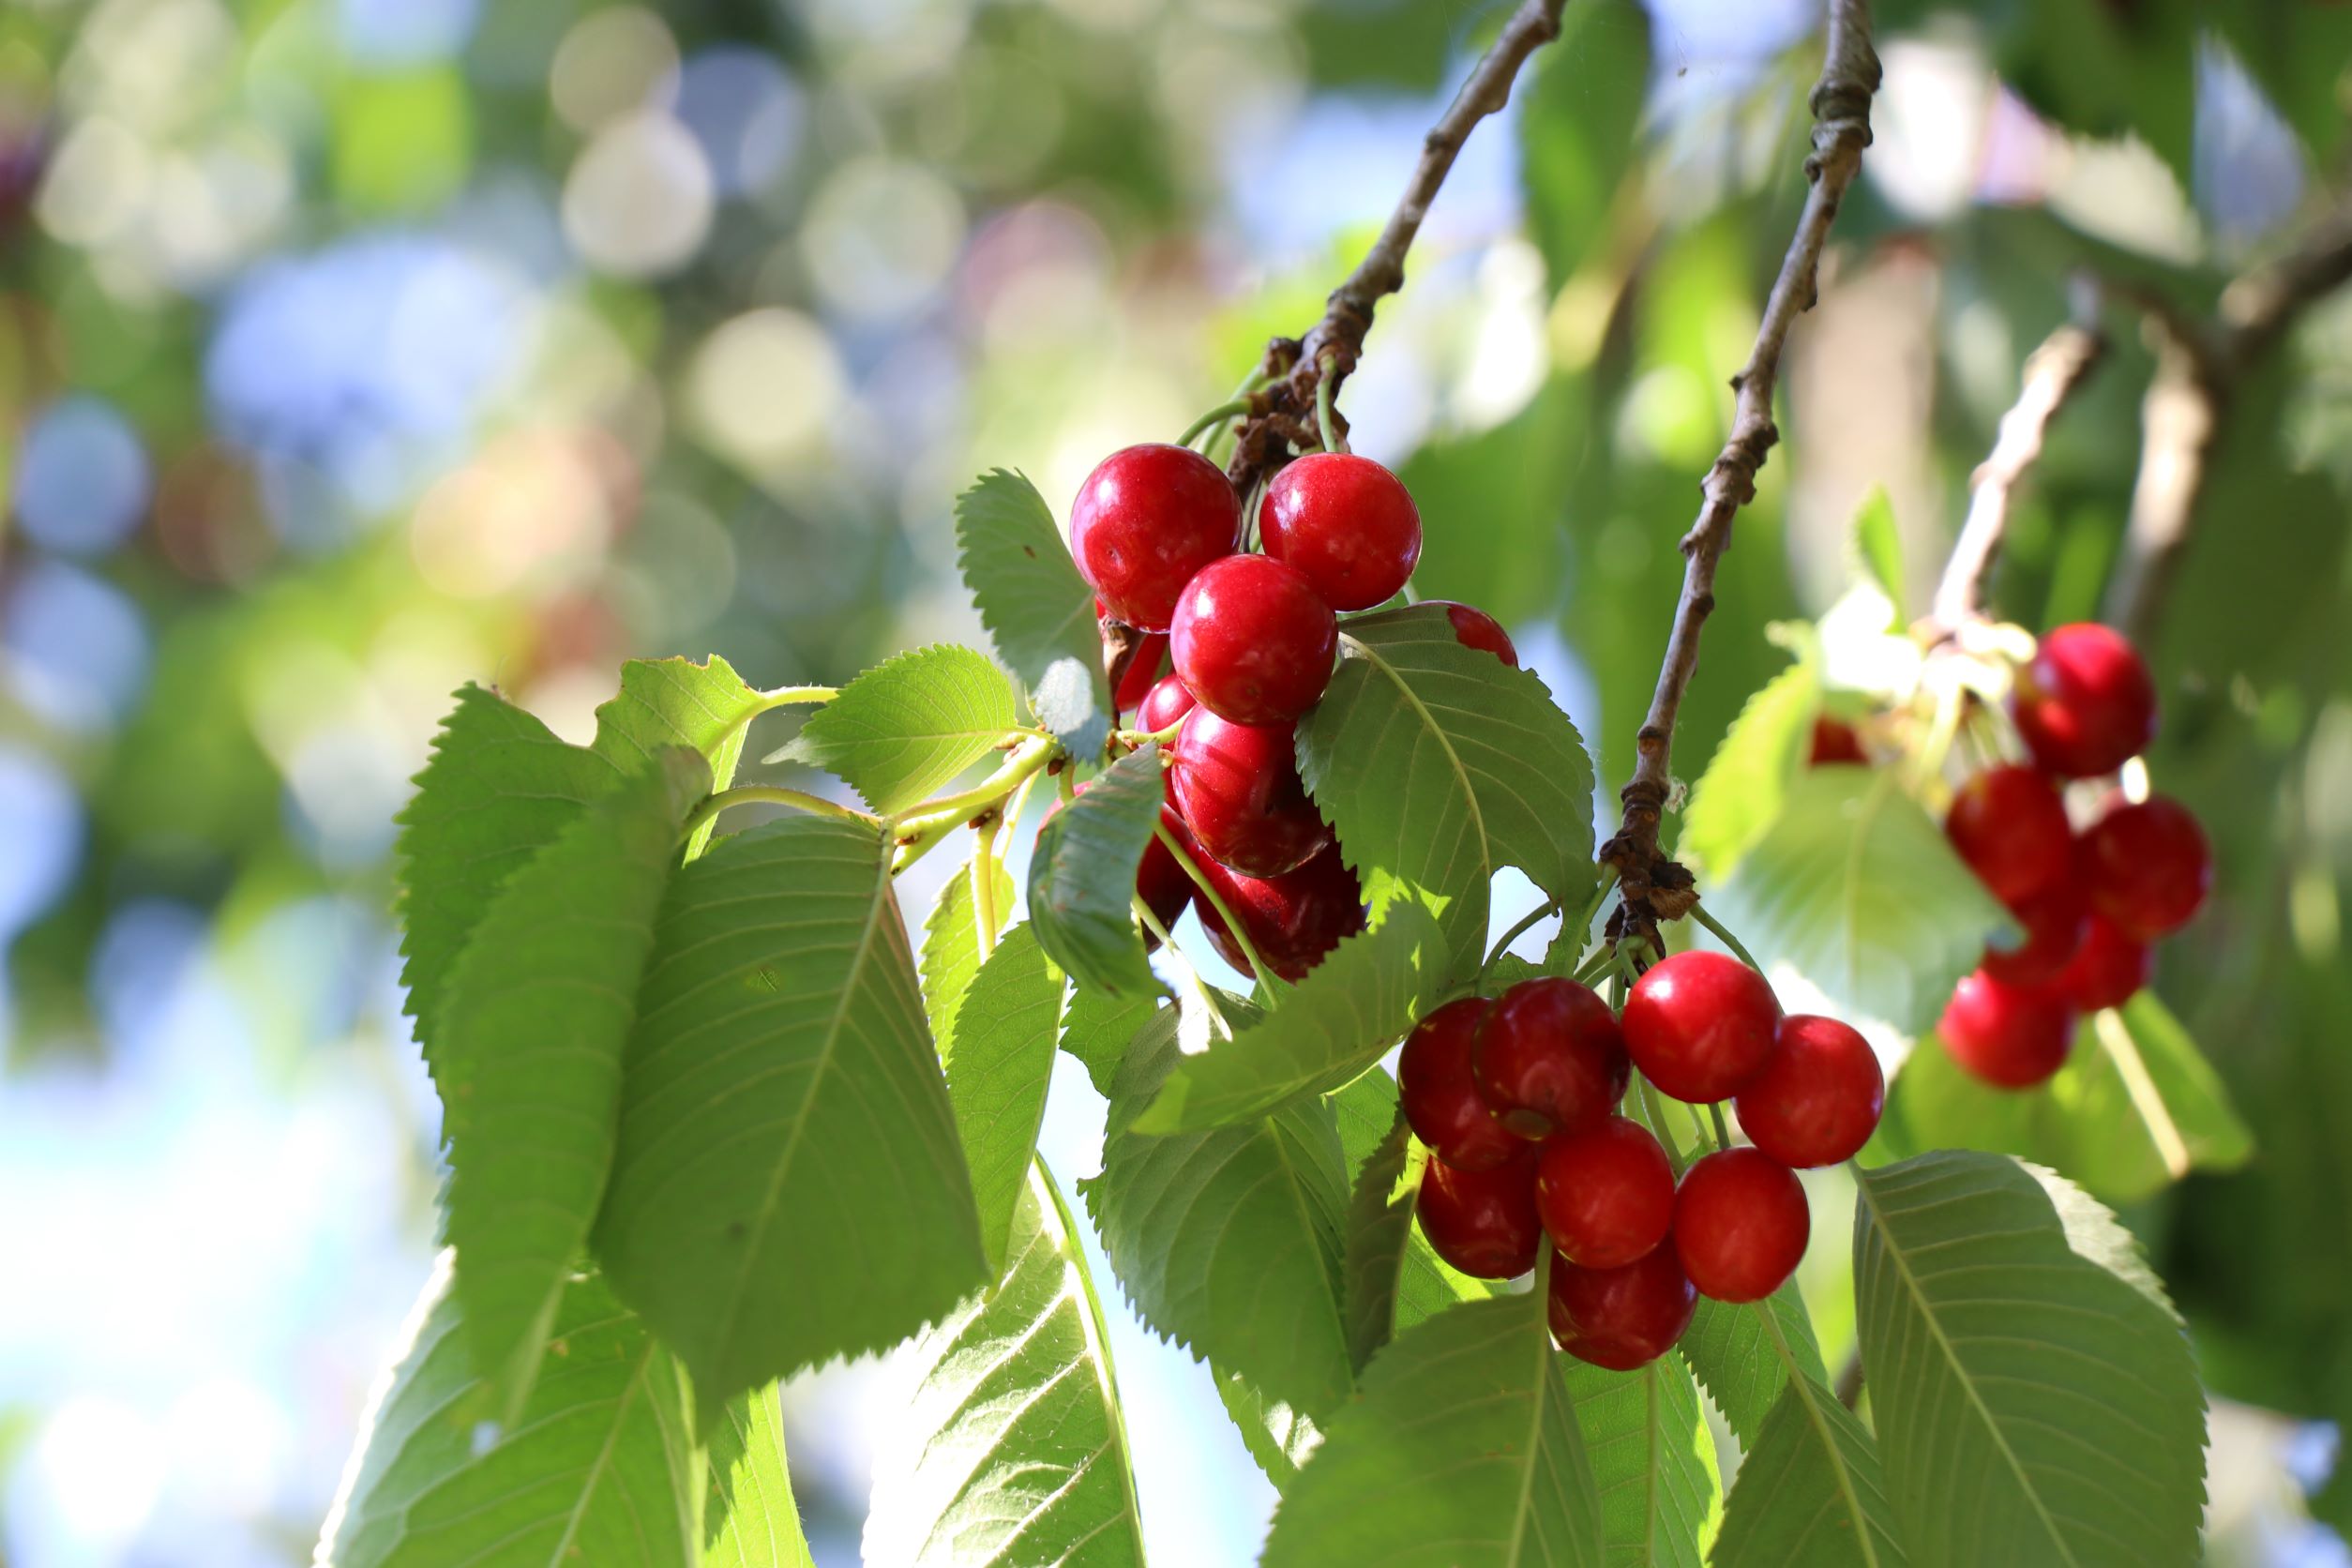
<point x="354" y="349"/>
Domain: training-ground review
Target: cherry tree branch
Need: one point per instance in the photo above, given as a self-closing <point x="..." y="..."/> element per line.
<point x="1655" y="888"/>
<point x="2052" y="374"/>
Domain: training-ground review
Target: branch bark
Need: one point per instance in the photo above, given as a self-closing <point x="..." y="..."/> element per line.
<point x="1655" y="888"/>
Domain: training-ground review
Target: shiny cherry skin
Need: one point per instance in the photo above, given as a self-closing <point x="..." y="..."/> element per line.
<point x="1834" y="740"/>
<point x="1163" y="705"/>
<point x="1622" y="1317"/>
<point x="1740" y="1224"/>
<point x="2109" y="967"/>
<point x="1483" y="1222"/>
<point x="1818" y="1099"/>
<point x="2148" y="866"/>
<point x="2052" y="924"/>
<point x="2085" y="704"/>
<point x="1254" y="641"/>
<point x="1143" y="671"/>
<point x="1295" y="919"/>
<point x="2009" y="826"/>
<point x="1606" y="1195"/>
<point x="1699" y="1025"/>
<point x="1347" y="522"/>
<point x="1441" y="1100"/>
<point x="1549" y="1058"/>
<point x="2011" y="1037"/>
<point x="1239" y="789"/>
<point x="1145" y="522"/>
<point x="1476" y="628"/>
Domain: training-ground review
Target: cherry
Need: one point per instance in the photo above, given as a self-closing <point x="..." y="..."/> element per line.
<point x="1294" y="919"/>
<point x="1818" y="1099"/>
<point x="1476" y="628"/>
<point x="2011" y="827"/>
<point x="1740" y="1224"/>
<point x="1606" y="1196"/>
<point x="1441" y="1099"/>
<point x="2107" y="968"/>
<point x="1143" y="671"/>
<point x="2013" y="1036"/>
<point x="1163" y="705"/>
<point x="1159" y="880"/>
<point x="2085" y="704"/>
<point x="2054" y="921"/>
<point x="1483" y="1222"/>
<point x="1699" y="1025"/>
<point x="1347" y="522"/>
<point x="1146" y="520"/>
<point x="1238" y="787"/>
<point x="1835" y="741"/>
<point x="2148" y="866"/>
<point x="1621" y="1317"/>
<point x="1253" y="640"/>
<point x="1548" y="1058"/>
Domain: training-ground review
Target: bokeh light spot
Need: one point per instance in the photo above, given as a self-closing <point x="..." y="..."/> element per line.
<point x="638" y="203"/>
<point x="81" y="478"/>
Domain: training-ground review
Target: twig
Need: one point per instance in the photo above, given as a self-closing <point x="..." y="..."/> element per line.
<point x="767" y="794"/>
<point x="2198" y="372"/>
<point x="1849" y="1380"/>
<point x="1656" y="888"/>
<point x="2052" y="374"/>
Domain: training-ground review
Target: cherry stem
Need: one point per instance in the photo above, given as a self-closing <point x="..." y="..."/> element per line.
<point x="1699" y="913"/>
<point x="1659" y="1125"/>
<point x="1527" y="923"/>
<point x="1201" y="990"/>
<point x="1333" y="442"/>
<point x="1265" y="977"/>
<point x="769" y="794"/>
<point x="1136" y="740"/>
<point x="1723" y="1128"/>
<point x="1214" y="417"/>
<point x="1604" y="957"/>
<point x="919" y="830"/>
<point x="983" y="882"/>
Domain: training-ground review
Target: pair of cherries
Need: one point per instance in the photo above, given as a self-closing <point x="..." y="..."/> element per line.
<point x="1252" y="637"/>
<point x="2088" y="903"/>
<point x="1516" y="1098"/>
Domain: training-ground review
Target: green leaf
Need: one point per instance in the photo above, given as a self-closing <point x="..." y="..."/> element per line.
<point x="2299" y="53"/>
<point x="1439" y="764"/>
<point x="1878" y="546"/>
<point x="674" y="701"/>
<point x="1461" y="1452"/>
<point x="601" y="1467"/>
<point x="1391" y="1279"/>
<point x="1228" y="1240"/>
<point x="998" y="1060"/>
<point x="1081" y="880"/>
<point x="2034" y="1395"/>
<point x="498" y="787"/>
<point x="789" y="1186"/>
<point x="2134" y="1109"/>
<point x="1736" y="1353"/>
<point x="1746" y="782"/>
<point x="1576" y="130"/>
<point x="1654" y="1461"/>
<point x="1038" y="608"/>
<point x="534" y="1024"/>
<point x="951" y="944"/>
<point x="1012" y="1450"/>
<point x="1328" y="1028"/>
<point x="1811" y="1493"/>
<point x="2103" y="72"/>
<point x="910" y="724"/>
<point x="1096" y="1030"/>
<point x="1857" y="891"/>
<point x="1277" y="1436"/>
<point x="751" y="1520"/>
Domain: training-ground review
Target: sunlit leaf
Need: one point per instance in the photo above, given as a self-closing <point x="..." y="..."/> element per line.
<point x="1746" y="782"/>
<point x="1096" y="1030"/>
<point x="674" y="701"/>
<point x="751" y="1519"/>
<point x="1878" y="546"/>
<point x="1390" y="1278"/>
<point x="998" y="1060"/>
<point x="1737" y="1352"/>
<point x="910" y="724"/>
<point x="1654" y="1461"/>
<point x="1038" y="608"/>
<point x="951" y="943"/>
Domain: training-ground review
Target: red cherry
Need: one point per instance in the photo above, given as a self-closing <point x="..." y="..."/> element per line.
<point x="1699" y="1025"/>
<point x="1142" y="670"/>
<point x="2085" y="704"/>
<point x="1476" y="628"/>
<point x="1606" y="1196"/>
<point x="2148" y="866"/>
<point x="1347" y="522"/>
<point x="2108" y="967"/>
<point x="1294" y="919"/>
<point x="1483" y="1222"/>
<point x="1253" y="640"/>
<point x="1441" y="1099"/>
<point x="1819" y="1099"/>
<point x="1548" y="1058"/>
<point x="2011" y="827"/>
<point x="1740" y="1224"/>
<point x="1621" y="1317"/>
<point x="1145" y="522"/>
<point x="2012" y="1037"/>
<point x="1238" y="787"/>
<point x="2053" y="920"/>
<point x="1835" y="741"/>
<point x="1163" y="705"/>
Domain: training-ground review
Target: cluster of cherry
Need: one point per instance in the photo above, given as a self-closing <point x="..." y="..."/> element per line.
<point x="1158" y="532"/>
<point x="1517" y="1098"/>
<point x="2088" y="903"/>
